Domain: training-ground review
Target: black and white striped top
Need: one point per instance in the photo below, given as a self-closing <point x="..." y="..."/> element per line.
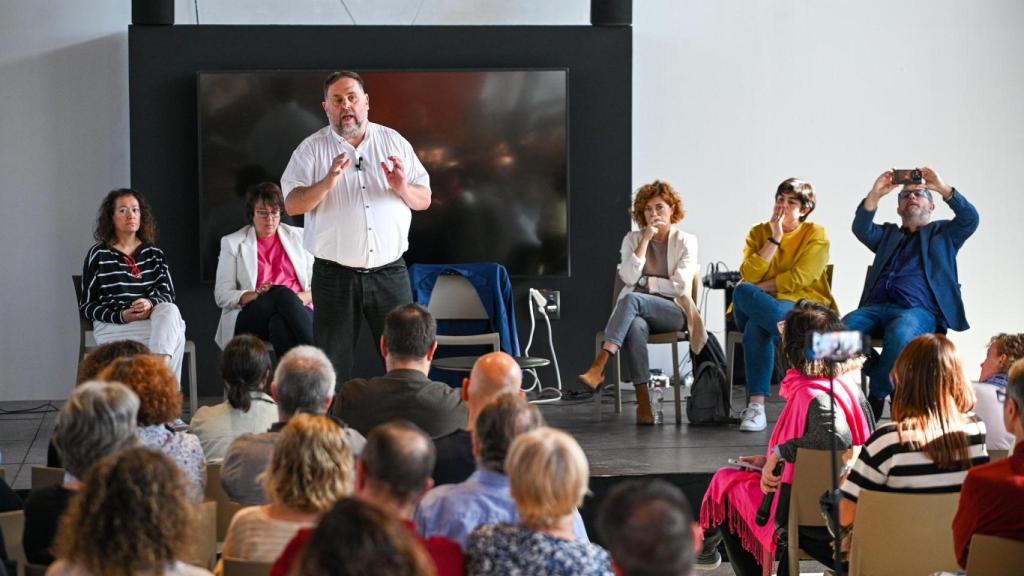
<point x="884" y="465"/>
<point x="110" y="286"/>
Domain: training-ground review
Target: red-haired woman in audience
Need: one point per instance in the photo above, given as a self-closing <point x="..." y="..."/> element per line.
<point x="659" y="263"/>
<point x="311" y="469"/>
<point x="127" y="290"/>
<point x="132" y="517"/>
<point x="245" y="368"/>
<point x="732" y="500"/>
<point x="159" y="406"/>
<point x="1003" y="351"/>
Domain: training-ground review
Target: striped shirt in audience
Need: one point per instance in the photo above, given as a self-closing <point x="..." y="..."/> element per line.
<point x="884" y="465"/>
<point x="112" y="280"/>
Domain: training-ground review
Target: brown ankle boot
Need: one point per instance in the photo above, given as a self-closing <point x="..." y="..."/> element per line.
<point x="594" y="376"/>
<point x="644" y="414"/>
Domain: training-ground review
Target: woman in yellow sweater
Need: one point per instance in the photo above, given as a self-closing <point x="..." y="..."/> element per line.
<point x="784" y="261"/>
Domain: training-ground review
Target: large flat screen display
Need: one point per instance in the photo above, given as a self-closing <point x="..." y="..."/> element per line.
<point x="493" y="141"/>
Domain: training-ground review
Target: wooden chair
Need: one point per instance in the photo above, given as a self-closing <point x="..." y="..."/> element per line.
<point x="43" y="476"/>
<point x="997" y="455"/>
<point x="994" y="556"/>
<point x="233" y="567"/>
<point x="3" y="474"/>
<point x="12" y="526"/>
<point x="203" y="537"/>
<point x="810" y="481"/>
<point x="226" y="508"/>
<point x="613" y="375"/>
<point x="86" y="341"/>
<point x="899" y="534"/>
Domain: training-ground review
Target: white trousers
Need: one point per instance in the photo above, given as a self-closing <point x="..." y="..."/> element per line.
<point x="162" y="333"/>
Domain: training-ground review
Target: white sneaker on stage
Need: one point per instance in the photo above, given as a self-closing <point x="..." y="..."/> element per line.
<point x="753" y="419"/>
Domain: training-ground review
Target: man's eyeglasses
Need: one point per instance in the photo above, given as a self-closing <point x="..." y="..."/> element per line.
<point x="922" y="193"/>
<point x="1001" y="396"/>
<point x="268" y="213"/>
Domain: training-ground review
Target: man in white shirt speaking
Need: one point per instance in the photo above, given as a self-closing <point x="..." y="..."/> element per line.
<point x="357" y="183"/>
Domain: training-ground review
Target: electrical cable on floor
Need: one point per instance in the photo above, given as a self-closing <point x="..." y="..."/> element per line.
<point x="41" y="409"/>
<point x="537" y="385"/>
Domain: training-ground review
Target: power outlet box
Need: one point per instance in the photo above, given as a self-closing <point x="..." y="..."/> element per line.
<point x="554" y="303"/>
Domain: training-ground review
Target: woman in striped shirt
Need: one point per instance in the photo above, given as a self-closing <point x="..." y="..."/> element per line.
<point x="127" y="291"/>
<point x="932" y="440"/>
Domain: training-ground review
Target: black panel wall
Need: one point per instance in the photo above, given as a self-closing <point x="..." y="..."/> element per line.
<point x="164" y="156"/>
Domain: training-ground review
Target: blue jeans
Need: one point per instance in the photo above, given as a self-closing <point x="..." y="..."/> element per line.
<point x="900" y="325"/>
<point x="757" y="314"/>
<point x="635" y="317"/>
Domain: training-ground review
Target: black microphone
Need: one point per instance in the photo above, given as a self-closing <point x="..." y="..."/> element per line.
<point x="766" y="503"/>
<point x="359" y="163"/>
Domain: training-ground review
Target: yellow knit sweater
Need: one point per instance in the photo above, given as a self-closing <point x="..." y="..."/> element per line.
<point x="799" y="265"/>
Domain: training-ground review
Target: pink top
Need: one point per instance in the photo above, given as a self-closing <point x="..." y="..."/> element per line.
<point x="274" y="265"/>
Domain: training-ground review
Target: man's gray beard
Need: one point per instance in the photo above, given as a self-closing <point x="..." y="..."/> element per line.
<point x="355" y="130"/>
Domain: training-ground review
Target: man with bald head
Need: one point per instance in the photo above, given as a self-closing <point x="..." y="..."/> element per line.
<point x="493" y="374"/>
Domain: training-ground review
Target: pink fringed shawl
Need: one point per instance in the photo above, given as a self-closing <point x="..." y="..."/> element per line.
<point x="735" y="495"/>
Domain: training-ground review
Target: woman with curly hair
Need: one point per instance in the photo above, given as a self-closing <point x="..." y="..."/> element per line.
<point x="311" y="469"/>
<point x="132" y="517"/>
<point x="127" y="291"/>
<point x="659" y="263"/>
<point x="785" y="260"/>
<point x="1003" y="351"/>
<point x="159" y="405"/>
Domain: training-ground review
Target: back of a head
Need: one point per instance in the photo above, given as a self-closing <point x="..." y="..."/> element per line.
<point x="1015" y="388"/>
<point x="493" y="374"/>
<point x="409" y="331"/>
<point x="101" y="356"/>
<point x="804" y="318"/>
<point x="304" y="381"/>
<point x="97" y="420"/>
<point x="244" y="367"/>
<point x="931" y="394"/>
<point x="548" y="475"/>
<point x="357" y="539"/>
<point x="398" y="458"/>
<point x="154" y="383"/>
<point x="132" y="515"/>
<point x="498" y="425"/>
<point x="312" y="466"/>
<point x="648" y="527"/>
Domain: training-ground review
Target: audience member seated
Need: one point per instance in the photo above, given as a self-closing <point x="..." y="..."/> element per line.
<point x="912" y="288"/>
<point x="785" y="260"/>
<point x="98" y="419"/>
<point x="932" y="440"/>
<point x="159" y="406"/>
<point x="133" y="516"/>
<point x="404" y="393"/>
<point x="1003" y="351"/>
<point x="455" y="510"/>
<point x="303" y="382"/>
<point x="94" y="362"/>
<point x="992" y="495"/>
<point x="548" y="475"/>
<point x="358" y="539"/>
<point x="245" y="368"/>
<point x="392" y="474"/>
<point x="312" y="468"/>
<point x="658" y="265"/>
<point x="649" y="528"/>
<point x="493" y="374"/>
<point x="127" y="290"/>
<point x="263" y="276"/>
<point x="732" y="500"/>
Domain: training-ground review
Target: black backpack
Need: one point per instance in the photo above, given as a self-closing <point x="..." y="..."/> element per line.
<point x="709" y="395"/>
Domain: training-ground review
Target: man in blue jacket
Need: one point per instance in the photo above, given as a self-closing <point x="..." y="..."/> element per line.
<point x="912" y="287"/>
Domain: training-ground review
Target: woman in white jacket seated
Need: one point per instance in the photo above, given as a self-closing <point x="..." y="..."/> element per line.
<point x="263" y="276"/>
<point x="659" y="263"/>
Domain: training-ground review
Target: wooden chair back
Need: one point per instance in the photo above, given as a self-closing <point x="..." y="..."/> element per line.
<point x="896" y="534"/>
<point x="233" y="567"/>
<point x="994" y="556"/>
<point x="226" y="508"/>
<point x="44" y="476"/>
<point x="810" y="480"/>
<point x="203" y="538"/>
<point x="12" y="526"/>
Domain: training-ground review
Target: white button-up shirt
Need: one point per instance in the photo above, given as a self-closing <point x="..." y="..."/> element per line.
<point x="362" y="222"/>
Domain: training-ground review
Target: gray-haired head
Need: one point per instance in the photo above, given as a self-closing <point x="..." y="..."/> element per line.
<point x="96" y="421"/>
<point x="303" y="382"/>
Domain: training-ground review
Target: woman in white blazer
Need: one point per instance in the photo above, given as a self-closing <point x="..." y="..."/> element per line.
<point x="658" y="266"/>
<point x="263" y="276"/>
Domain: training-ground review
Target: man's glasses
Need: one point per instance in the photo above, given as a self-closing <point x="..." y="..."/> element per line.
<point x="922" y="193"/>
<point x="268" y="213"/>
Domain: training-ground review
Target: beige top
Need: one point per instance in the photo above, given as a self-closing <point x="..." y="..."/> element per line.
<point x="656" y="264"/>
<point x="65" y="568"/>
<point x="253" y="535"/>
<point x="217" y="426"/>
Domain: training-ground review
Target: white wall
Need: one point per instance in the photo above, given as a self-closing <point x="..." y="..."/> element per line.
<point x="733" y="96"/>
<point x="730" y="98"/>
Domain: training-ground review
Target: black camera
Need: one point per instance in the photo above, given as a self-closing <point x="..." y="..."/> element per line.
<point x="910" y="176"/>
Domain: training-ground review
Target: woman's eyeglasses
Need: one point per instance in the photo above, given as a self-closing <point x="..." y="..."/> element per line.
<point x="268" y="213"/>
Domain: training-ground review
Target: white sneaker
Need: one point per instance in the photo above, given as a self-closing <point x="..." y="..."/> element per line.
<point x="753" y="419"/>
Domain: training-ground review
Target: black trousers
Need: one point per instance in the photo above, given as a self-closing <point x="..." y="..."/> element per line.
<point x="279" y="317"/>
<point x="343" y="296"/>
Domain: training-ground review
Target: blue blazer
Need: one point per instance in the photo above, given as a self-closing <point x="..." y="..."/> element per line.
<point x="940" y="242"/>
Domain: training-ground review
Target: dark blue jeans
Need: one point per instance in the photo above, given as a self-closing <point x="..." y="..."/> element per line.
<point x="757" y="314"/>
<point x="898" y="326"/>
